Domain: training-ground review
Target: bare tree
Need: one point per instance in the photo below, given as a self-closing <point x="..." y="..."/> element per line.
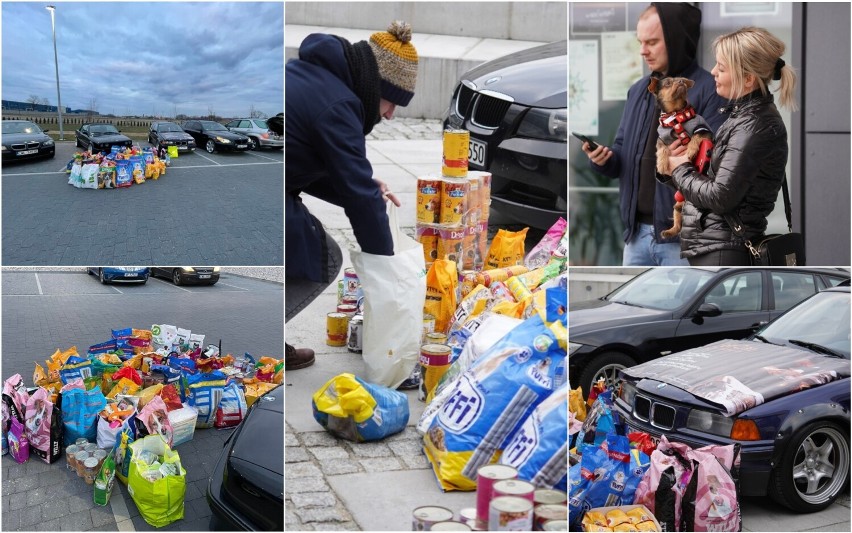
<point x="211" y="114"/>
<point x="34" y="101"/>
<point x="255" y="113"/>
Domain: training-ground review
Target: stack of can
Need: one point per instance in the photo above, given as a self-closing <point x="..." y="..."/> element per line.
<point x="341" y="323"/>
<point x="452" y="210"/>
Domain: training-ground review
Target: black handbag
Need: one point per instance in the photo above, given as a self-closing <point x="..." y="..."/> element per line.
<point x="777" y="249"/>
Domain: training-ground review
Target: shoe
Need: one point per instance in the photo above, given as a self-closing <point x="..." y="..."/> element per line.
<point x="296" y="358"/>
<point x="409" y="384"/>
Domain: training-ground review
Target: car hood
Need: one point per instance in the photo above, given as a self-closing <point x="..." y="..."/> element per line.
<point x="598" y="315"/>
<point x="12" y="138"/>
<point x="536" y="77"/>
<point x="175" y="136"/>
<point x="110" y="137"/>
<point x="230" y="135"/>
<point x="264" y="424"/>
<point x="739" y="375"/>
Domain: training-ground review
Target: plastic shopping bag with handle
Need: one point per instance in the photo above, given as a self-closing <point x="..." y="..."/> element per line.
<point x="394" y="291"/>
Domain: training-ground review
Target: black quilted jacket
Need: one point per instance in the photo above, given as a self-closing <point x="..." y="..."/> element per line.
<point x="745" y="175"/>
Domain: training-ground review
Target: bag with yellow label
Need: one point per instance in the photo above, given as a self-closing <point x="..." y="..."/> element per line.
<point x="441" y="282"/>
<point x="507" y="249"/>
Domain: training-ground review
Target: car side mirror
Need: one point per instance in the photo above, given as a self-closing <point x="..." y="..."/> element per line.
<point x="708" y="310"/>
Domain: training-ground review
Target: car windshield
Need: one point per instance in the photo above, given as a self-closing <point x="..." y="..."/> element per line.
<point x="821" y="321"/>
<point x="20" y="127"/>
<point x="661" y="288"/>
<point x="213" y="126"/>
<point x="167" y="127"/>
<point x="103" y="129"/>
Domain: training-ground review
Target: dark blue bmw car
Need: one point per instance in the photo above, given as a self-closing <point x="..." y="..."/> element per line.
<point x="783" y="395"/>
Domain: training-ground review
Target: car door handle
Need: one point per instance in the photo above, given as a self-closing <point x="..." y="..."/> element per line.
<point x="759" y="324"/>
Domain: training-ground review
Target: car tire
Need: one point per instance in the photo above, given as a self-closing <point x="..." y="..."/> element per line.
<point x="101" y="276"/>
<point x="254" y="144"/>
<point x="606" y="363"/>
<point x="210" y="146"/>
<point x="820" y="442"/>
<point x="176" y="279"/>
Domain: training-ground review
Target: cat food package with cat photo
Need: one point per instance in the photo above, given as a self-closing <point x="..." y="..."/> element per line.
<point x="491" y="400"/>
<point x="43" y="427"/>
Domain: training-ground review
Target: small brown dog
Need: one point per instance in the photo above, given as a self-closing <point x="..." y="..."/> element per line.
<point x="678" y="121"/>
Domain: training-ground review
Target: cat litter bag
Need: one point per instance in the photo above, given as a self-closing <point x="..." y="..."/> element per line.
<point x="204" y="392"/>
<point x="44" y="427"/>
<point x="353" y="409"/>
<point x="491" y="400"/>
<point x="538" y="450"/>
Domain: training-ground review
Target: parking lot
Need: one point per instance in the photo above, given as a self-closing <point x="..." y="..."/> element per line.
<point x="222" y="208"/>
<point x="43" y="311"/>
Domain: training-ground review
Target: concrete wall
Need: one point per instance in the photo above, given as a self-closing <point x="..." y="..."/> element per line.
<point x="526" y="21"/>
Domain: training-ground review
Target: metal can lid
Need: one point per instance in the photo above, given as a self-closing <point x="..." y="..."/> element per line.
<point x="555" y="525"/>
<point x="428" y="318"/>
<point x="91" y="462"/>
<point x="552" y="511"/>
<point x="497" y="472"/>
<point x="513" y="487"/>
<point x="450" y="525"/>
<point x="337" y="315"/>
<point x="433" y="513"/>
<point x="511" y="504"/>
<point x="468" y="513"/>
<point x="550" y="496"/>
<point x="436" y="349"/>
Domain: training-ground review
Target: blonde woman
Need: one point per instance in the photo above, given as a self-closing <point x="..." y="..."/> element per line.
<point x="750" y="154"/>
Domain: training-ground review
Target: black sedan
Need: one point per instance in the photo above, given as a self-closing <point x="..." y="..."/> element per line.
<point x="246" y="488"/>
<point x="516" y="109"/>
<point x="666" y="310"/>
<point x="23" y="140"/>
<point x="100" y="137"/>
<point x="783" y="396"/>
<point x="214" y="136"/>
<point x="186" y="275"/>
<point x="165" y="134"/>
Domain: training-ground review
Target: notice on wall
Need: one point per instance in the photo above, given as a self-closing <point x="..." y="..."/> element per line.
<point x="597" y="17"/>
<point x="583" y="86"/>
<point x="621" y="64"/>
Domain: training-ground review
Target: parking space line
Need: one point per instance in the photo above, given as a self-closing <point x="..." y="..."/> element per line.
<point x="263" y="156"/>
<point x="8" y="175"/>
<point x="234" y="286"/>
<point x="234" y="164"/>
<point x="116" y="290"/>
<point x="38" y="283"/>
<point x="207" y="158"/>
<point x="170" y="284"/>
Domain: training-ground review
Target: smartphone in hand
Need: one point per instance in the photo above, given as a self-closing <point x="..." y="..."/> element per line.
<point x="592" y="144"/>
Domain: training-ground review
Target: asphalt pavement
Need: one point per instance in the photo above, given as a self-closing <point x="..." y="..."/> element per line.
<point x="222" y="209"/>
<point x="43" y="311"/>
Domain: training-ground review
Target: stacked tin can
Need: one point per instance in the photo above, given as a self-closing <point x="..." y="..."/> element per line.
<point x="339" y="324"/>
<point x="452" y="209"/>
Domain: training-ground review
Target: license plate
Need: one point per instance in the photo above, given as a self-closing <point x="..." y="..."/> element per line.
<point x="204" y="276"/>
<point x="242" y="146"/>
<point x="27" y="152"/>
<point x="654" y="438"/>
<point x="131" y="275"/>
<point x="476" y="153"/>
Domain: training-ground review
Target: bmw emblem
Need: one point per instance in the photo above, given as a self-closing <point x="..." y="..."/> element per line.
<point x="492" y="80"/>
<point x="661" y="385"/>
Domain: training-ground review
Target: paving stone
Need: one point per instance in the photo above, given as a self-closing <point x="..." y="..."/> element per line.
<point x="336" y="526"/>
<point x="291" y="519"/>
<point x="416" y="462"/>
<point x="328" y="514"/>
<point x="30" y="515"/>
<point x="335" y="467"/>
<point x="50" y="525"/>
<point x="299" y="470"/>
<point x="314" y="499"/>
<point x="36" y="466"/>
<point x="383" y="464"/>
<point x="409" y="433"/>
<point x="201" y="508"/>
<point x="102" y="515"/>
<point x="327" y="453"/>
<point x="290" y="439"/>
<point x="79" y="521"/>
<point x="52" y="478"/>
<point x="307" y="484"/>
<point x="192" y="492"/>
<point x="53" y="508"/>
<point x="406" y="448"/>
<point x="371" y="449"/>
<point x="296" y="454"/>
<point x="11" y="521"/>
<point x="318" y="438"/>
<point x="16" y="502"/>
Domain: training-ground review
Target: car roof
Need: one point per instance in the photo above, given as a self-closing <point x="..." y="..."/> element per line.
<point x="838" y="288"/>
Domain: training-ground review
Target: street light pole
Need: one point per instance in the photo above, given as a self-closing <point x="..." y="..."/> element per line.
<point x="52" y="9"/>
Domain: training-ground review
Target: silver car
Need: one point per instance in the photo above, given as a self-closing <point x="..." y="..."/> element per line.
<point x="258" y="131"/>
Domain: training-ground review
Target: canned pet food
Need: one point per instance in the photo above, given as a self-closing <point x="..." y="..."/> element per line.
<point x="80" y="460"/>
<point x="91" y="470"/>
<point x="550" y="497"/>
<point x="428" y="200"/>
<point x="424" y="517"/>
<point x="456" y="147"/>
<point x="510" y="513"/>
<point x="450" y="525"/>
<point x="467" y="279"/>
<point x="428" y="237"/>
<point x="486" y="476"/>
<point x="351" y="284"/>
<point x="339" y="290"/>
<point x="555" y="525"/>
<point x="453" y="201"/>
<point x="470" y="248"/>
<point x="428" y="325"/>
<point x="488" y="277"/>
<point x="468" y="516"/>
<point x="434" y="362"/>
<point x="514" y="487"/>
<point x="354" y="343"/>
<point x="474" y="201"/>
<point x="436" y="337"/>
<point x="336" y="326"/>
<point x="548" y="513"/>
<point x="69" y="456"/>
<point x="451" y="244"/>
<point x="484" y="183"/>
<point x="81" y="442"/>
<point x="347" y="309"/>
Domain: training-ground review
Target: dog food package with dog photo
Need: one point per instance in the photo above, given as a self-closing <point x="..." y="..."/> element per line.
<point x="475" y="422"/>
<point x="154" y="417"/>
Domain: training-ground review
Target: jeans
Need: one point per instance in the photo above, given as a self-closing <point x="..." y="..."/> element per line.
<point x="644" y="250"/>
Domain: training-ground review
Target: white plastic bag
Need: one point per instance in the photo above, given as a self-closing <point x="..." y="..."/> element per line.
<point x="89" y="176"/>
<point x="394" y="292"/>
<point x="76" y="176"/>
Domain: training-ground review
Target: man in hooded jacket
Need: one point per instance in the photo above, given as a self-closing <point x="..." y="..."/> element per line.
<point x="668" y="35"/>
<point x="336" y="92"/>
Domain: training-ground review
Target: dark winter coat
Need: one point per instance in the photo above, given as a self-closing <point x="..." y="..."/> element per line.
<point x="326" y="157"/>
<point x="746" y="172"/>
<point x="681" y="28"/>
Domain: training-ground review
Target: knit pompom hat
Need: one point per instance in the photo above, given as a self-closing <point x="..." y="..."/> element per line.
<point x="397" y="60"/>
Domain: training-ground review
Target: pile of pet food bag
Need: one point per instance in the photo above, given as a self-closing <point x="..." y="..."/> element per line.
<point x="121" y="167"/>
<point x="622" y="480"/>
<point x="492" y="368"/>
<point x="121" y="409"/>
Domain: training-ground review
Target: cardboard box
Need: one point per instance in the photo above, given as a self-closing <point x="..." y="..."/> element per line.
<point x="626" y="508"/>
<point x="183" y="424"/>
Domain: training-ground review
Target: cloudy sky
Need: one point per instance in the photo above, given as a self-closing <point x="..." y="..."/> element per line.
<point x="148" y="58"/>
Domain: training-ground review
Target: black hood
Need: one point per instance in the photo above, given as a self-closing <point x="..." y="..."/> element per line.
<point x="682" y="30"/>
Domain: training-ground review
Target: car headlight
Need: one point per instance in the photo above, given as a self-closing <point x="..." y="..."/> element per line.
<point x="222" y="140"/>
<point x="168" y="143"/>
<point x="187" y="269"/>
<point x="573" y="347"/>
<point x="48" y="142"/>
<point x="627" y="393"/>
<point x="547" y="124"/>
<point x="710" y="423"/>
<point x="4" y="147"/>
<point x="216" y="270"/>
